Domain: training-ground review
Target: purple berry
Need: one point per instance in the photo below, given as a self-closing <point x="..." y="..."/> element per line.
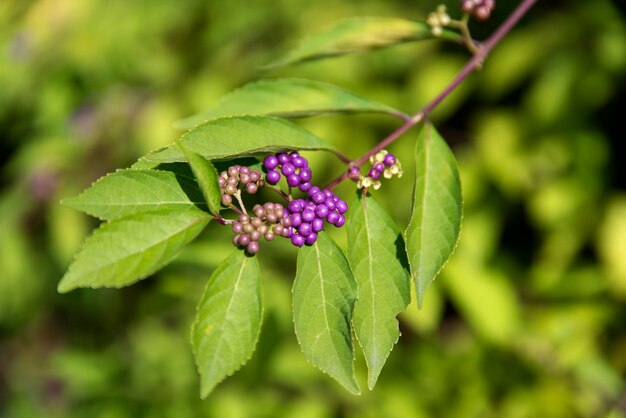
<point x="272" y="177"/>
<point x="332" y="217"/>
<point x="380" y="167"/>
<point x="305" y="174"/>
<point x="317" y="225"/>
<point x="270" y="162"/>
<point x="374" y="174"/>
<point x="313" y="190"/>
<point x="298" y="161"/>
<point x="296" y="219"/>
<point x="227" y="200"/>
<point x="288" y="169"/>
<point x="340" y="221"/>
<point x="482" y="13"/>
<point x="305" y="229"/>
<point x="305" y="186"/>
<point x="255" y="175"/>
<point x="288" y="232"/>
<point x="283" y="158"/>
<point x="389" y="160"/>
<point x="253" y="247"/>
<point x="341" y="206"/>
<point x="354" y="173"/>
<point x="318" y="197"/>
<point x="329" y="194"/>
<point x="243" y="240"/>
<point x="295" y="206"/>
<point x="310" y="240"/>
<point x="297" y="240"/>
<point x="293" y="180"/>
<point x="330" y="204"/>
<point x="308" y="215"/>
<point x="251" y="188"/>
<point x="321" y="211"/>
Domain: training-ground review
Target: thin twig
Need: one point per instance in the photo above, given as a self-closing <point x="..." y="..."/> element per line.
<point x="471" y="65"/>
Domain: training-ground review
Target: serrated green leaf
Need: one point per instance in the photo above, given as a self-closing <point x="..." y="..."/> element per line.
<point x="206" y="175"/>
<point x="324" y="292"/>
<point x="241" y="136"/>
<point x="129" y="192"/>
<point x="228" y="320"/>
<point x="290" y="98"/>
<point x="359" y="34"/>
<point x="126" y="250"/>
<point x="435" y="223"/>
<point x="378" y="259"/>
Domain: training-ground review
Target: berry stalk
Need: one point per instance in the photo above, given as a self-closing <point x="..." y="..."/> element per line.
<point x="472" y="64"/>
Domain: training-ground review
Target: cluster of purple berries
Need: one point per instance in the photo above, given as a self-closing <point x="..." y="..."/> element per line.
<point x="300" y="221"/>
<point x="238" y="176"/>
<point x="305" y="217"/>
<point x="293" y="166"/>
<point x="378" y="168"/>
<point x="480" y="9"/>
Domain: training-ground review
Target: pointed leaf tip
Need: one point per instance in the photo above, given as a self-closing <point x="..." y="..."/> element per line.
<point x="376" y="255"/>
<point x="435" y="224"/>
<point x="324" y="293"/>
<point x="121" y="252"/>
<point x="228" y="320"/>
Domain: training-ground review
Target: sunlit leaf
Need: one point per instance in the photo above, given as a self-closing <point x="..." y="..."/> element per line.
<point x="206" y="175"/>
<point x="291" y="98"/>
<point x="435" y="223"/>
<point x="228" y="320"/>
<point x="376" y="253"/>
<point x="241" y="136"/>
<point x="129" y="192"/>
<point x="126" y="250"/>
<point x="324" y="292"/>
<point x="359" y="34"/>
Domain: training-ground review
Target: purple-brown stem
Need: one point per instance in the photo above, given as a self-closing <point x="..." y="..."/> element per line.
<point x="471" y="65"/>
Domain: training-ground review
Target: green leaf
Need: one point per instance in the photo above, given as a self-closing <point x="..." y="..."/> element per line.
<point x="378" y="259"/>
<point x="124" y="251"/>
<point x="433" y="231"/>
<point x="359" y="34"/>
<point x="242" y="136"/>
<point x="129" y="192"/>
<point x="323" y="298"/>
<point x="207" y="178"/>
<point x="290" y="98"/>
<point x="228" y="320"/>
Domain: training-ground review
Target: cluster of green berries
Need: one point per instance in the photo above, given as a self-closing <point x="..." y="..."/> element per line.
<point x="383" y="163"/>
<point x="480" y="9"/>
<point x="438" y="20"/>
<point x="238" y="177"/>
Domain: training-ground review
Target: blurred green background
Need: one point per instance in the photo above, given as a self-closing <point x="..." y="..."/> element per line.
<point x="528" y="318"/>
